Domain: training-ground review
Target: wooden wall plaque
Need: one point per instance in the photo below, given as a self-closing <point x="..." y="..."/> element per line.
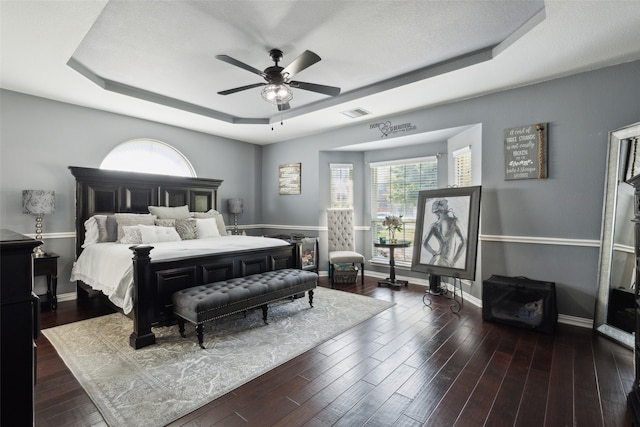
<point x="525" y="152"/>
<point x="289" y="178"/>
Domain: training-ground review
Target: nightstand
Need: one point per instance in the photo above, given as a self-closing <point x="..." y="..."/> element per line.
<point x="308" y="256"/>
<point x="47" y="265"/>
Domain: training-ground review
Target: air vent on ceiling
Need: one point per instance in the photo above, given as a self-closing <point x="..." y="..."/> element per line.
<point x="356" y="112"/>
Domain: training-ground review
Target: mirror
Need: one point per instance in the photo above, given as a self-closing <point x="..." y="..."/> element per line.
<point x="615" y="315"/>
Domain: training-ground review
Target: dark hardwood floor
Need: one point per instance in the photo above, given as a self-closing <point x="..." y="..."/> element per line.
<point x="410" y="366"/>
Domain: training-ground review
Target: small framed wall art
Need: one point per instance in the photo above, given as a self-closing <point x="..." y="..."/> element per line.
<point x="289" y="178"/>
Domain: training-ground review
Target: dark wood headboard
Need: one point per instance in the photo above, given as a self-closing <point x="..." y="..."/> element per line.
<point x="100" y="191"/>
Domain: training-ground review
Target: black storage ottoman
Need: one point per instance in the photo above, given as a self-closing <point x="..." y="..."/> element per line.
<point x="520" y="302"/>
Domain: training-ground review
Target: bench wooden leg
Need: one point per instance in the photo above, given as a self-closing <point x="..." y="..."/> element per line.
<point x="265" y="308"/>
<point x="200" y="333"/>
<point x="311" y="297"/>
<point x="181" y="327"/>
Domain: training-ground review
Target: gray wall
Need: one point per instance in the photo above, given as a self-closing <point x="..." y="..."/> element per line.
<point x="40" y="138"/>
<point x="580" y="110"/>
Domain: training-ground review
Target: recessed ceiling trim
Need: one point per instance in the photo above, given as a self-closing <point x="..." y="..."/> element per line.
<point x="156" y="98"/>
<point x="517" y="34"/>
<point x="443" y="67"/>
<point x="457" y="63"/>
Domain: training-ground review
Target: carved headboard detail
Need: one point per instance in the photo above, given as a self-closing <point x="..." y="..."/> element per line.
<point x="101" y="191"/>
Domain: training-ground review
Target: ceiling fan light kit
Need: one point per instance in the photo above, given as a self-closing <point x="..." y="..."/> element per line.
<point x="277" y="89"/>
<point x="277" y="94"/>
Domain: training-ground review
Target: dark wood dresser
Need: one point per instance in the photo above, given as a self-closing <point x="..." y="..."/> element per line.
<point x="19" y="327"/>
<point x="634" y="396"/>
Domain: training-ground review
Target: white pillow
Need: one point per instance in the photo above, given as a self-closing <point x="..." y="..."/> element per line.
<point x="132" y="235"/>
<point x="212" y="213"/>
<point x="92" y="233"/>
<point x="153" y="234"/>
<point x="207" y="227"/>
<point x="166" y="212"/>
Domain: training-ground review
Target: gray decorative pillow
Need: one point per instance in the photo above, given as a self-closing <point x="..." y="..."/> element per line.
<point x="166" y="222"/>
<point x="101" y="221"/>
<point x="112" y="229"/>
<point x="187" y="229"/>
<point x="132" y="235"/>
<point x="107" y="228"/>
<point x="126" y="219"/>
<point x="167" y="212"/>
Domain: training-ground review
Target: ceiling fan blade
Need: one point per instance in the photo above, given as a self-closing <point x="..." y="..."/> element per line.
<point x="232" y="61"/>
<point x="304" y="60"/>
<point x="241" y="88"/>
<point x="327" y="90"/>
<point x="283" y="107"/>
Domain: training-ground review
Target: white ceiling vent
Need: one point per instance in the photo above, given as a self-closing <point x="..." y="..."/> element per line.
<point x="356" y="112"/>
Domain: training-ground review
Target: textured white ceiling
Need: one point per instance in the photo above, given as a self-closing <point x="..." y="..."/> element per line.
<point x="387" y="56"/>
<point x="169" y="48"/>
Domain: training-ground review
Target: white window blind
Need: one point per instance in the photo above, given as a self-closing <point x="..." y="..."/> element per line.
<point x="462" y="167"/>
<point x="394" y="191"/>
<point x="341" y="177"/>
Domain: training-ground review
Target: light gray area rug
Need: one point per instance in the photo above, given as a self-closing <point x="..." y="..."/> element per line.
<point x="161" y="383"/>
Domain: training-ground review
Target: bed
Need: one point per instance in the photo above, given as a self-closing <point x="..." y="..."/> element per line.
<point x="157" y="270"/>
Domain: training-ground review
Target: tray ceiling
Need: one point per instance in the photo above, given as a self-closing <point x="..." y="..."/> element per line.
<point x="156" y="60"/>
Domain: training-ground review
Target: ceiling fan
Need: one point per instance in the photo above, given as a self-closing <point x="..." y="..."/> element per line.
<point x="278" y="83"/>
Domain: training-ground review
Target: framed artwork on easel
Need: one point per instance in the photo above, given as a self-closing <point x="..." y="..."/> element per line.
<point x="446" y="238"/>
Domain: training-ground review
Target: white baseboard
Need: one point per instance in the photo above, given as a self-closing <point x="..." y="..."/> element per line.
<point x="562" y="318"/>
<point x="70" y="296"/>
<point x="575" y="321"/>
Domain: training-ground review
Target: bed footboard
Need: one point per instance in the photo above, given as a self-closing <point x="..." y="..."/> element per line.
<point x="156" y="282"/>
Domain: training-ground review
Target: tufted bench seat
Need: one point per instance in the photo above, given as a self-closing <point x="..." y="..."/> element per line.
<point x="203" y="303"/>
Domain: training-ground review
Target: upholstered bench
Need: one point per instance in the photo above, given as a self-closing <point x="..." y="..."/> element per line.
<point x="201" y="304"/>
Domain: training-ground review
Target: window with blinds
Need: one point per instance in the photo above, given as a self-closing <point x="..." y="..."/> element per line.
<point x="462" y="167"/>
<point x="341" y="183"/>
<point x="394" y="191"/>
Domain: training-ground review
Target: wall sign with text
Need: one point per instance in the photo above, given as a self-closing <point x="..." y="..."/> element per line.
<point x="389" y="129"/>
<point x="289" y="178"/>
<point x="525" y="152"/>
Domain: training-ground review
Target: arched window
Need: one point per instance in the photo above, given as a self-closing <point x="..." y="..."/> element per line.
<point x="149" y="156"/>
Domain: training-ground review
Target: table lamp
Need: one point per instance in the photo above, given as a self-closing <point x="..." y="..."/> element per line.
<point x="38" y="203"/>
<point x="235" y="208"/>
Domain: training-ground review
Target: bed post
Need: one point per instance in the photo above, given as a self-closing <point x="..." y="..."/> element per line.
<point x="141" y="335"/>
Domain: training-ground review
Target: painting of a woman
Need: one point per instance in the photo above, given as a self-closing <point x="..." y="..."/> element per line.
<point x="446" y="236"/>
<point x="445" y="240"/>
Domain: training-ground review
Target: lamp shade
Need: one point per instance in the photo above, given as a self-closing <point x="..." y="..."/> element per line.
<point x="38" y="202"/>
<point x="234" y="206"/>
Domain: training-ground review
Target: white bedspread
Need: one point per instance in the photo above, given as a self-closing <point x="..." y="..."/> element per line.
<point x="108" y="267"/>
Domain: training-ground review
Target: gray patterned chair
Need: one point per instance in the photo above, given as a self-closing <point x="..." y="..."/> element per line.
<point x="341" y="241"/>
